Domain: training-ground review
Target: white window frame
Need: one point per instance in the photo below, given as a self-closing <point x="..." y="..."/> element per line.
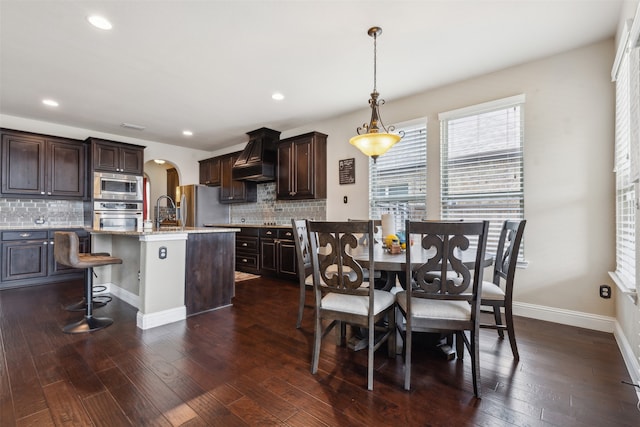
<point x="478" y="192"/>
<point x="403" y="166"/>
<point x="626" y="75"/>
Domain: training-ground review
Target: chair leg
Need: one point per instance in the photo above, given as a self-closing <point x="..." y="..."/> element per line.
<point x="508" y="314"/>
<point x="89" y="323"/>
<point x="391" y="341"/>
<point x="303" y="290"/>
<point x="316" y="343"/>
<point x="498" y="319"/>
<point x="370" y="348"/>
<point x="460" y="344"/>
<point x="407" y="356"/>
<point x="475" y="362"/>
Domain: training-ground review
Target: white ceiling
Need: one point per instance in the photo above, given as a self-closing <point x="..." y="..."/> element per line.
<point x="211" y="66"/>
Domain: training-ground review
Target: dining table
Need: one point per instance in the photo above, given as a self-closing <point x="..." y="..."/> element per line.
<point x="390" y="264"/>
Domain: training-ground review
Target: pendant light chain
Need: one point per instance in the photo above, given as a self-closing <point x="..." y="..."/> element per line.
<point x="375" y="61"/>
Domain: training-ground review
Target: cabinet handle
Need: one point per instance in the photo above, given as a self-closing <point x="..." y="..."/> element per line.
<point x="269" y="233"/>
<point x="42" y="193"/>
<point x="48" y="193"/>
<point x="25" y="234"/>
<point x="45" y="243"/>
<point x="244" y="260"/>
<point x="244" y="245"/>
<point x="288" y="234"/>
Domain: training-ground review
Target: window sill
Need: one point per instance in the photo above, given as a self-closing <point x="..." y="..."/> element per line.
<point x="631" y="293"/>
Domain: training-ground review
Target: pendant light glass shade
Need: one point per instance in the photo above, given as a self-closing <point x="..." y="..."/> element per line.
<point x="377" y="140"/>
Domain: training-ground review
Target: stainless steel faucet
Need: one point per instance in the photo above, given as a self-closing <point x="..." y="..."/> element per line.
<point x="173" y="204"/>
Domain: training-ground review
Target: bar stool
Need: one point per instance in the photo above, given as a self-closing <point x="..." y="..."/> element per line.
<point x="67" y="252"/>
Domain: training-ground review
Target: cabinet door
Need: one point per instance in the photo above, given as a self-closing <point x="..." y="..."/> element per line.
<point x="303" y="168"/>
<point x="66" y="169"/>
<point x="23" y="165"/>
<point x="210" y="171"/>
<point x="284" y="179"/>
<point x="268" y="257"/>
<point x="106" y="157"/>
<point x="287" y="259"/>
<point x="131" y="160"/>
<point x="24" y="259"/>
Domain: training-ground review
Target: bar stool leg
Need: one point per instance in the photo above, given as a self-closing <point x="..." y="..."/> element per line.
<point x="88" y="323"/>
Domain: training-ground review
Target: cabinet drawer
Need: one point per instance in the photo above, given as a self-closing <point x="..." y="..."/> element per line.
<point x="285" y="234"/>
<point x="269" y="233"/>
<point x="25" y="235"/>
<point x="247" y="261"/>
<point x="246" y="244"/>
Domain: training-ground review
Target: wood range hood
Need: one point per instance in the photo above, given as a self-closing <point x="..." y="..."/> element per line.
<point x="258" y="160"/>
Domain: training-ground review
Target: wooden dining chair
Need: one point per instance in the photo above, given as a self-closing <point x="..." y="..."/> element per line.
<point x="305" y="269"/>
<point x="341" y="292"/>
<point x="498" y="293"/>
<point x="452" y="305"/>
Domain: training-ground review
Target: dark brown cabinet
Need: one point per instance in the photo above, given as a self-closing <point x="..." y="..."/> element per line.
<point x="112" y="156"/>
<point x="42" y="166"/>
<point x="28" y="258"/>
<point x="209" y="285"/>
<point x="278" y="253"/>
<point x="210" y="171"/>
<point x="302" y="167"/>
<point x="233" y="191"/>
<point x="248" y="250"/>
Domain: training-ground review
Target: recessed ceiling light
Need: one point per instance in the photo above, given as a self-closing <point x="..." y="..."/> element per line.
<point x="277" y="96"/>
<point x="187" y="133"/>
<point x="100" y="22"/>
<point x="50" y="102"/>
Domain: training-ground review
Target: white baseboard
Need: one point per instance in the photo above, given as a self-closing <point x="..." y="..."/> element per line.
<point x="124" y="295"/>
<point x="565" y="317"/>
<point x="159" y="318"/>
<point x="629" y="357"/>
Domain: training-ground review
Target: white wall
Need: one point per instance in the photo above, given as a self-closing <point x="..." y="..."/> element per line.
<point x="569" y="184"/>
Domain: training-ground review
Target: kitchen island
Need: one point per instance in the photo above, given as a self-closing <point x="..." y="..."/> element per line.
<point x="168" y="273"/>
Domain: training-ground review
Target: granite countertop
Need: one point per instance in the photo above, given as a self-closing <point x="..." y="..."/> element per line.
<point x="242" y="225"/>
<point x="170" y="230"/>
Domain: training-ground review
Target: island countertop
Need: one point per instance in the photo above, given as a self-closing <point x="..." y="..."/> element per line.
<point x="168" y="230"/>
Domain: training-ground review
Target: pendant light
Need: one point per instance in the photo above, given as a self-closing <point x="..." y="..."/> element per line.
<point x="377" y="139"/>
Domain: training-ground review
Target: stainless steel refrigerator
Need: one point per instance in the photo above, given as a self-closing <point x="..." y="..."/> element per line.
<point x="200" y="205"/>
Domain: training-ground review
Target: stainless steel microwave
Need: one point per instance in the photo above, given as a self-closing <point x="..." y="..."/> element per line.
<point x="115" y="186"/>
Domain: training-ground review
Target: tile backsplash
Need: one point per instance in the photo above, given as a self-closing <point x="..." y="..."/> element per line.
<point x="268" y="210"/>
<point x="29" y="213"/>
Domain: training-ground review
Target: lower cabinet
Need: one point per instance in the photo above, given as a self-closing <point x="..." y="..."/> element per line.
<point x="28" y="258"/>
<point x="278" y="253"/>
<point x="247" y="250"/>
<point x="209" y="275"/>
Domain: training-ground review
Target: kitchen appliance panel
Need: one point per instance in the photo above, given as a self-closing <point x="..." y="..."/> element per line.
<point x="116" y="186"/>
<point x="203" y="206"/>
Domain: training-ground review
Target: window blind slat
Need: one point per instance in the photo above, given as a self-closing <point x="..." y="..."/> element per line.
<point x="398" y="179"/>
<point x="482" y="167"/>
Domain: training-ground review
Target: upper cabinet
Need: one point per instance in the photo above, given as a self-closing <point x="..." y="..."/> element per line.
<point x="210" y="171"/>
<point x="36" y="165"/>
<point x="302" y="167"/>
<point x="231" y="190"/>
<point x="111" y="156"/>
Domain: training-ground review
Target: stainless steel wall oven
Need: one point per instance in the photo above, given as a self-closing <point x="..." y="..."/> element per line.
<point x="117" y="216"/>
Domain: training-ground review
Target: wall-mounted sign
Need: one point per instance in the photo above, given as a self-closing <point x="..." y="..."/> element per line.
<point x="347" y="171"/>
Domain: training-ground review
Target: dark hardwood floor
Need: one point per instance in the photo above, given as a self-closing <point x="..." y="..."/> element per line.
<point x="249" y="365"/>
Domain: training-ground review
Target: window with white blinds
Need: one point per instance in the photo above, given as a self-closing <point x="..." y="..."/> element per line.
<point x="626" y="145"/>
<point x="398" y="179"/>
<point x="482" y="164"/>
